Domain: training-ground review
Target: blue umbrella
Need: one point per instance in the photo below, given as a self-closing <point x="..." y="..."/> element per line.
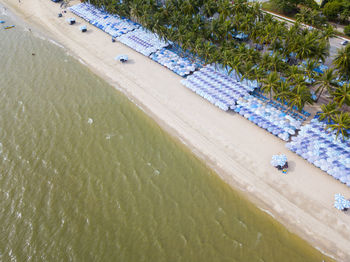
<point x="122" y="58"/>
<point x="338" y="197"/>
<point x="338" y="205"/>
<point x="345" y="203"/>
<point x="83" y="28"/>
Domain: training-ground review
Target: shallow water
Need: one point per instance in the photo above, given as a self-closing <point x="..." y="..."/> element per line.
<point x="86" y="176"/>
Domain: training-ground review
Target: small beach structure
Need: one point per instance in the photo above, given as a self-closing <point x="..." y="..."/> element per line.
<point x="83" y="28"/>
<point x="341" y="203"/>
<point x="71" y="20"/>
<point x="280" y="162"/>
<point x="9" y="27"/>
<point x="121" y="58"/>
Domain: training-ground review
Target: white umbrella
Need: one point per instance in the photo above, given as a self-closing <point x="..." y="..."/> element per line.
<point x="339" y="205"/>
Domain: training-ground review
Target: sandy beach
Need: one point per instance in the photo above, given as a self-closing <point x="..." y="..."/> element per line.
<point x="239" y="151"/>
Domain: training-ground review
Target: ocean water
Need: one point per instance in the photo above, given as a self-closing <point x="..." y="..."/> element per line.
<point x="85" y="175"/>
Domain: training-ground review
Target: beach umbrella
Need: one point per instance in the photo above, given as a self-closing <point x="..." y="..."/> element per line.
<point x="339" y="205"/>
<point x="346" y="203"/>
<point x="338" y="197"/>
<point x="122" y="58"/>
<point x="83" y="28"/>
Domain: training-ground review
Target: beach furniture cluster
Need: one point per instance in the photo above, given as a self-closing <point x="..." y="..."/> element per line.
<point x="321" y="148"/>
<point x="143" y="41"/>
<point x="219" y="89"/>
<point x="139" y="39"/>
<point x="301" y="116"/>
<point x="280" y="162"/>
<point x="268" y="117"/>
<point x="111" y="24"/>
<point x="195" y="60"/>
<point x="180" y="65"/>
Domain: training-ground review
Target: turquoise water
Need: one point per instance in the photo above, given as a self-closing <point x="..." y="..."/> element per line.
<point x="86" y="176"/>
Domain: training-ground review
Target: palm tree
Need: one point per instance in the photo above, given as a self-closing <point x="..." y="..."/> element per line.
<point x="328" y="111"/>
<point x="342" y="62"/>
<point x="283" y="91"/>
<point x="270" y="83"/>
<point x="293" y="72"/>
<point x="326" y="81"/>
<point x="328" y="32"/>
<point x="248" y="70"/>
<point x="341" y="95"/>
<point x="299" y="96"/>
<point x="321" y="50"/>
<point x="341" y="124"/>
<point x="310" y="67"/>
<point x="235" y="65"/>
<point x="276" y="62"/>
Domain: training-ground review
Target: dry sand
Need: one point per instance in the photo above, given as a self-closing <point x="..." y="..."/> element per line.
<point x="236" y="149"/>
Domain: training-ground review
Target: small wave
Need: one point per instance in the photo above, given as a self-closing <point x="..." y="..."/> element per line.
<point x="109" y="136"/>
<point x="55" y="43"/>
<point x="242" y="224"/>
<point x="82" y="61"/>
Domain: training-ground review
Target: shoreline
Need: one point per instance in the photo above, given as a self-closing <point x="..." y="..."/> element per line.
<point x="225" y="142"/>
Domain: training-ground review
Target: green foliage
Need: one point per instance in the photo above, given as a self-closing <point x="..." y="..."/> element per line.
<point x="341" y="95"/>
<point x="347" y="30"/>
<point x="192" y="25"/>
<point x="332" y="10"/>
<point x="342" y="62"/>
<point x="287" y="6"/>
<point x="341" y="124"/>
<point x="328" y="111"/>
<point x="327" y="81"/>
<point x="311" y="17"/>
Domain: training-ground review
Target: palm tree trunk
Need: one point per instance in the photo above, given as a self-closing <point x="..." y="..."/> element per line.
<point x="319" y="94"/>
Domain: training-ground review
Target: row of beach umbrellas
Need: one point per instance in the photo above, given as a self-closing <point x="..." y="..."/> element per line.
<point x="111" y="24"/>
<point x="318" y="146"/>
<point x="270" y="114"/>
<point x="143" y="41"/>
<point x="171" y="60"/>
<point x="216" y="87"/>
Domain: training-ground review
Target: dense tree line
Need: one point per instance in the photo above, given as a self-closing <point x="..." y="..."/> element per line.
<point x="281" y="58"/>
